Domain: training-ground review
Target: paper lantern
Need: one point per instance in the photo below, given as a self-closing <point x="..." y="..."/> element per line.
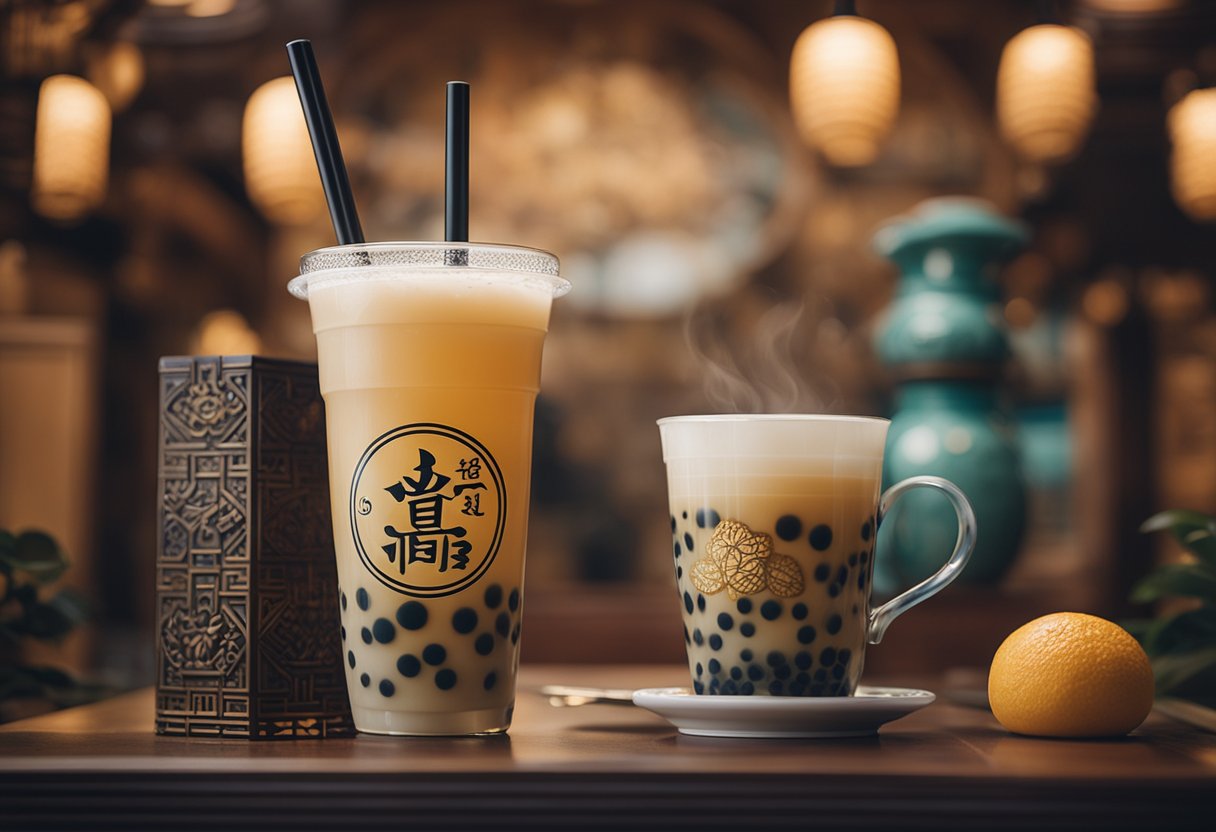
<point x="71" y="148"/>
<point x="1192" y="126"/>
<point x="1045" y="97"/>
<point x="280" y="169"/>
<point x="844" y="87"/>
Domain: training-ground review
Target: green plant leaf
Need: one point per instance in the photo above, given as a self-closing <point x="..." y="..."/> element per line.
<point x="1174" y="670"/>
<point x="43" y="621"/>
<point x="1177" y="580"/>
<point x="1195" y="531"/>
<point x="1184" y="631"/>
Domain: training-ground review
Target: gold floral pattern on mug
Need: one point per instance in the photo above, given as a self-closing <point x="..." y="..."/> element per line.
<point x="742" y="562"/>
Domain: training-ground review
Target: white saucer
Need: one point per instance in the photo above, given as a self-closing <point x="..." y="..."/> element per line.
<point x="782" y="716"/>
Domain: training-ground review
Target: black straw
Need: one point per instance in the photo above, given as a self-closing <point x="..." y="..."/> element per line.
<point x="456" y="219"/>
<point x="325" y="143"/>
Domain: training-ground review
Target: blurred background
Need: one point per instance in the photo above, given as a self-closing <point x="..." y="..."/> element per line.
<point x="157" y="190"/>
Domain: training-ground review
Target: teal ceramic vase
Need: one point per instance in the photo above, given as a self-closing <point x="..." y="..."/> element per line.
<point x="944" y="342"/>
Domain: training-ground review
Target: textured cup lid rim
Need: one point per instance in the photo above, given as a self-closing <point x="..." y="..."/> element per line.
<point x="379" y="261"/>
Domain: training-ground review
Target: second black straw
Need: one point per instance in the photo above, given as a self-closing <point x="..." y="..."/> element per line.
<point x="456" y="217"/>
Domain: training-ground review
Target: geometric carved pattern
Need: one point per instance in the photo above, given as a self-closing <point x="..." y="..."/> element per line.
<point x="246" y="585"/>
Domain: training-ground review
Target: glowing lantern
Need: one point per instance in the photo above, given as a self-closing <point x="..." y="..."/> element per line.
<point x="280" y="170"/>
<point x="844" y="87"/>
<point x="71" y="148"/>
<point x="1192" y="124"/>
<point x="119" y="73"/>
<point x="1045" y="97"/>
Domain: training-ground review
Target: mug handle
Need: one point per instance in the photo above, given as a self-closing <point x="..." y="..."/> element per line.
<point x="881" y="617"/>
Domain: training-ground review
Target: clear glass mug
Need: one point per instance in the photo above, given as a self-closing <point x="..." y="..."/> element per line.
<point x="429" y="357"/>
<point x="773" y="521"/>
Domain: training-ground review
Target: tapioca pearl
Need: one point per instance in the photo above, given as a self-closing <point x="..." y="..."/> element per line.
<point x="833" y="590"/>
<point x="687" y="603"/>
<point x="363" y="599"/>
<point x="673" y="524"/>
<point x="343" y="598"/>
<point x="715" y="641"/>
<point x="837" y="672"/>
<point x="789" y="527"/>
<point x="412" y="615"/>
<point x="679" y="572"/>
<point x="782" y="671"/>
<point x="864" y="557"/>
<point x="755" y="672"/>
<point x="515" y="634"/>
<point x="770" y="610"/>
<point x="687" y="638"/>
<point x="806" y="634"/>
<point x="502" y="624"/>
<point x="852" y="559"/>
<point x="493" y="596"/>
<point x="714" y="684"/>
<point x="409" y="666"/>
<point x="698" y="637"/>
<point x="698" y="688"/>
<point x="464" y="620"/>
<point x="715" y="666"/>
<point x="343" y="628"/>
<point x="688" y="544"/>
<point x="434" y="654"/>
<point x="725" y="622"/>
<point x="833" y="625"/>
<point x="747" y="629"/>
<point x="383" y="630"/>
<point x="828" y="656"/>
<point x="746" y="655"/>
<point x="821" y="675"/>
<point x="844" y="656"/>
<point x="387" y="688"/>
<point x="365" y="680"/>
<point x="684" y="514"/>
<point x="803" y="678"/>
<point x="675" y="548"/>
<point x="817" y="690"/>
<point x="513" y="600"/>
<point x="799" y="611"/>
<point x="747" y="688"/>
<point x="350" y="658"/>
<point x="822" y="571"/>
<point x="842" y="575"/>
<point x="446" y="679"/>
<point x="867" y="529"/>
<point x="804" y="660"/>
<point x="700" y="669"/>
<point x="775" y="658"/>
<point x="776" y="688"/>
<point x="744" y="605"/>
<point x="821" y="537"/>
<point x="707" y="518"/>
<point x="701" y="603"/>
<point x="366" y="635"/>
<point x="487" y="683"/>
<point x="797" y="688"/>
<point x="729" y="687"/>
<point x="736" y="673"/>
<point x="861" y="580"/>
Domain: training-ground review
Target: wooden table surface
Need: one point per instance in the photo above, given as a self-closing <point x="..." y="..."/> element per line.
<point x="600" y="767"/>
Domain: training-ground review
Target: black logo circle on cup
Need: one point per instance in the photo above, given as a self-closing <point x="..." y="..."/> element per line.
<point x="427" y="509"/>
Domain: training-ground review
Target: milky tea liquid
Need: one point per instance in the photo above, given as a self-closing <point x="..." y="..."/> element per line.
<point x="773" y="550"/>
<point x="429" y="380"/>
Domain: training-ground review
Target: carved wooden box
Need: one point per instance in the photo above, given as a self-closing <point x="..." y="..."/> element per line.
<point x="246" y="587"/>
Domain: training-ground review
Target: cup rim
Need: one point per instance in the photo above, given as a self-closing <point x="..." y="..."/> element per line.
<point x="772" y="417"/>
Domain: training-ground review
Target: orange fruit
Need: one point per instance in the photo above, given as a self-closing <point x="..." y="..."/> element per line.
<point x="1070" y="675"/>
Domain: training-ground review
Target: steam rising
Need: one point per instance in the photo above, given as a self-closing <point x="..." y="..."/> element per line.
<point x="768" y="373"/>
